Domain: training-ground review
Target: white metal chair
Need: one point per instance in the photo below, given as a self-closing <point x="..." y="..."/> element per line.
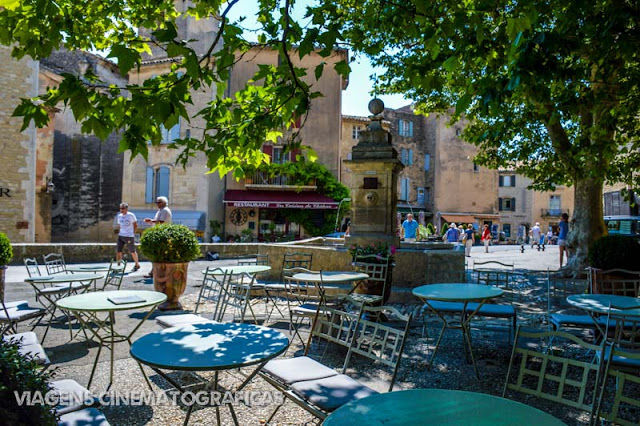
<point x="114" y="276"/>
<point x="54" y="263"/>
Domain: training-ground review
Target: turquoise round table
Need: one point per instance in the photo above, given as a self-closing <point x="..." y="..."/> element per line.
<point x="437" y="407"/>
<point x="454" y="299"/>
<point x="63" y="278"/>
<point x="209" y="347"/>
<point x="331" y="277"/>
<point x="87" y="307"/>
<point x="237" y="269"/>
<point x="623" y="310"/>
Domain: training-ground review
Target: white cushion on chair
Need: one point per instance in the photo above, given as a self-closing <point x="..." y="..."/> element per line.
<point x="290" y="370"/>
<point x="37" y="352"/>
<point x="167" y="321"/>
<point x="74" y="395"/>
<point x="17" y="313"/>
<point x="15" y="303"/>
<point x="332" y="392"/>
<point x="26" y="338"/>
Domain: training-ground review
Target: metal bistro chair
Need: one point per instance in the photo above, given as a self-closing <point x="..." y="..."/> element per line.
<point x="297" y="260"/>
<point x="54" y="263"/>
<point x="377" y="268"/>
<point x="254" y="259"/>
<point x="47" y="294"/>
<point x="237" y="295"/>
<point x="15" y="312"/>
<point x="556" y="373"/>
<point x="115" y="274"/>
<point x="321" y="390"/>
<point x="274" y="291"/>
<point x="303" y="298"/>
<point x="620" y="399"/>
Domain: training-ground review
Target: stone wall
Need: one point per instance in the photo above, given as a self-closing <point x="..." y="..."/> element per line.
<point x="18" y="79"/>
<point x="413" y="267"/>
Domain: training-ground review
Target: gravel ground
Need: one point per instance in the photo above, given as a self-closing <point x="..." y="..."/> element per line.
<point x="449" y="371"/>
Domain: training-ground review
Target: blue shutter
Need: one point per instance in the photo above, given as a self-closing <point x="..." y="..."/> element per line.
<point x="165" y="134"/>
<point x="404" y="156"/>
<point x="427" y="162"/>
<point x="174" y="133"/>
<point x="411" y="128"/>
<point x="400" y="131"/>
<point x="148" y="191"/>
<point x="162" y="181"/>
<point x="410" y="157"/>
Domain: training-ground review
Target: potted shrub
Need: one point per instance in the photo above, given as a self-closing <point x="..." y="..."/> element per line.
<point x="6" y="254"/>
<point x="20" y="373"/>
<point x="170" y="247"/>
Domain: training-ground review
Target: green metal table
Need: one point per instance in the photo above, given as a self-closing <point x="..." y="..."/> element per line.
<point x="209" y="347"/>
<point x="462" y="293"/>
<point x="437" y="407"/>
<point x="621" y="309"/>
<point x="87" y="308"/>
<point x="51" y="288"/>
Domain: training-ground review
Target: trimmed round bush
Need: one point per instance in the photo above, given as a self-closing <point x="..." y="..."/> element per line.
<point x="6" y="251"/>
<point x="615" y="252"/>
<point x="169" y="243"/>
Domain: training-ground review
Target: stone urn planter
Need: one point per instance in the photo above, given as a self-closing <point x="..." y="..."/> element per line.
<point x="170" y="248"/>
<point x="170" y="279"/>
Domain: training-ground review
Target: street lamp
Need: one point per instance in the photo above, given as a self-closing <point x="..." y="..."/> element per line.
<point x="338" y="213"/>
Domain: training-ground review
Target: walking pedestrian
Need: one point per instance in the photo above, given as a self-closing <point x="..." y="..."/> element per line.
<point x="128" y="224"/>
<point x="470" y="239"/>
<point x="486" y="238"/>
<point x="535" y="235"/>
<point x="563" y="226"/>
<point x="452" y="234"/>
<point x="163" y="215"/>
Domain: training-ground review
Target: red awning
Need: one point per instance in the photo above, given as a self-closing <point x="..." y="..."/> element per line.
<point x="279" y="200"/>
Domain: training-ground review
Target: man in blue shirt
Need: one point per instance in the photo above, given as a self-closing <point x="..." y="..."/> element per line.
<point x="452" y="234"/>
<point x="410" y="228"/>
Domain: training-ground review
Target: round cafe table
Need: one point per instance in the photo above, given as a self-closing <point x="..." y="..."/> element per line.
<point x="93" y="267"/>
<point x="621" y="309"/>
<point x="437" y="407"/>
<point x="209" y="347"/>
<point x="461" y="293"/>
<point x="87" y="307"/>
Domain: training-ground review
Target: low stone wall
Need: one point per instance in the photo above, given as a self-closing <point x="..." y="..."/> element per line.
<point x="414" y="267"/>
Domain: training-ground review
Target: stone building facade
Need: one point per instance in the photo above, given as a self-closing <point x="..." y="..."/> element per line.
<point x="520" y="208"/>
<point x="439" y="183"/>
<point x="23" y="196"/>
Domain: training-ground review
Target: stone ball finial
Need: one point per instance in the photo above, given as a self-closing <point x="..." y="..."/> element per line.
<point x="376" y="106"/>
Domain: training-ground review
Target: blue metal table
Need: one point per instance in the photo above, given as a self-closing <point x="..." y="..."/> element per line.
<point x="209" y="347"/>
<point x="437" y="407"/>
<point x="620" y="309"/>
<point x="457" y="292"/>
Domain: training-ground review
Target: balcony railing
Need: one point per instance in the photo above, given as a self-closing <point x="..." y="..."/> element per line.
<point x="264" y="180"/>
<point x="553" y="212"/>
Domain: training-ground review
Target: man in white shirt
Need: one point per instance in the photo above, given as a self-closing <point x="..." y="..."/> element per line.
<point x="535" y="235"/>
<point x="128" y="224"/>
<point x="163" y="215"/>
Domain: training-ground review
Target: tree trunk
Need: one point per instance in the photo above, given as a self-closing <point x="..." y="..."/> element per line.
<point x="586" y="225"/>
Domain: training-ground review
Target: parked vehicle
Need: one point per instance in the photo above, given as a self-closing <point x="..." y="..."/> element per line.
<point x="623" y="225"/>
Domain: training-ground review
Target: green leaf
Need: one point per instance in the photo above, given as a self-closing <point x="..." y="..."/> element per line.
<point x="451" y="64"/>
<point x="126" y="57"/>
<point x="319" y="69"/>
<point x="166" y="34"/>
<point x="342" y="68"/>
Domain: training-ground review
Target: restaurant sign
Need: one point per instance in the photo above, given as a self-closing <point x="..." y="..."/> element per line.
<point x="283" y="205"/>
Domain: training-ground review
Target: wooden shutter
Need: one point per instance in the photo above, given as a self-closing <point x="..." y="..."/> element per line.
<point x="268" y="149"/>
<point x="513" y="204"/>
<point x="148" y="189"/>
<point x="410" y="128"/>
<point x="400" y="130"/>
<point x="410" y="159"/>
<point x="513" y="180"/>
<point x="501" y="181"/>
<point x="500" y="204"/>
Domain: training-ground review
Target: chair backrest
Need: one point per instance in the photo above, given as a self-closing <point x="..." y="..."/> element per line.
<point x="115" y="274"/>
<point x="620" y="399"/>
<point x="557" y="375"/>
<point x="378" y="341"/>
<point x="213" y="287"/>
<point x="299" y="290"/>
<point x="621" y="282"/>
<point x="255" y="259"/>
<point x="334" y="325"/>
<point x="493" y="272"/>
<point x="297" y="260"/>
<point x="237" y="294"/>
<point x="31" y="263"/>
<point x="375" y="266"/>
<point x="54" y="262"/>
